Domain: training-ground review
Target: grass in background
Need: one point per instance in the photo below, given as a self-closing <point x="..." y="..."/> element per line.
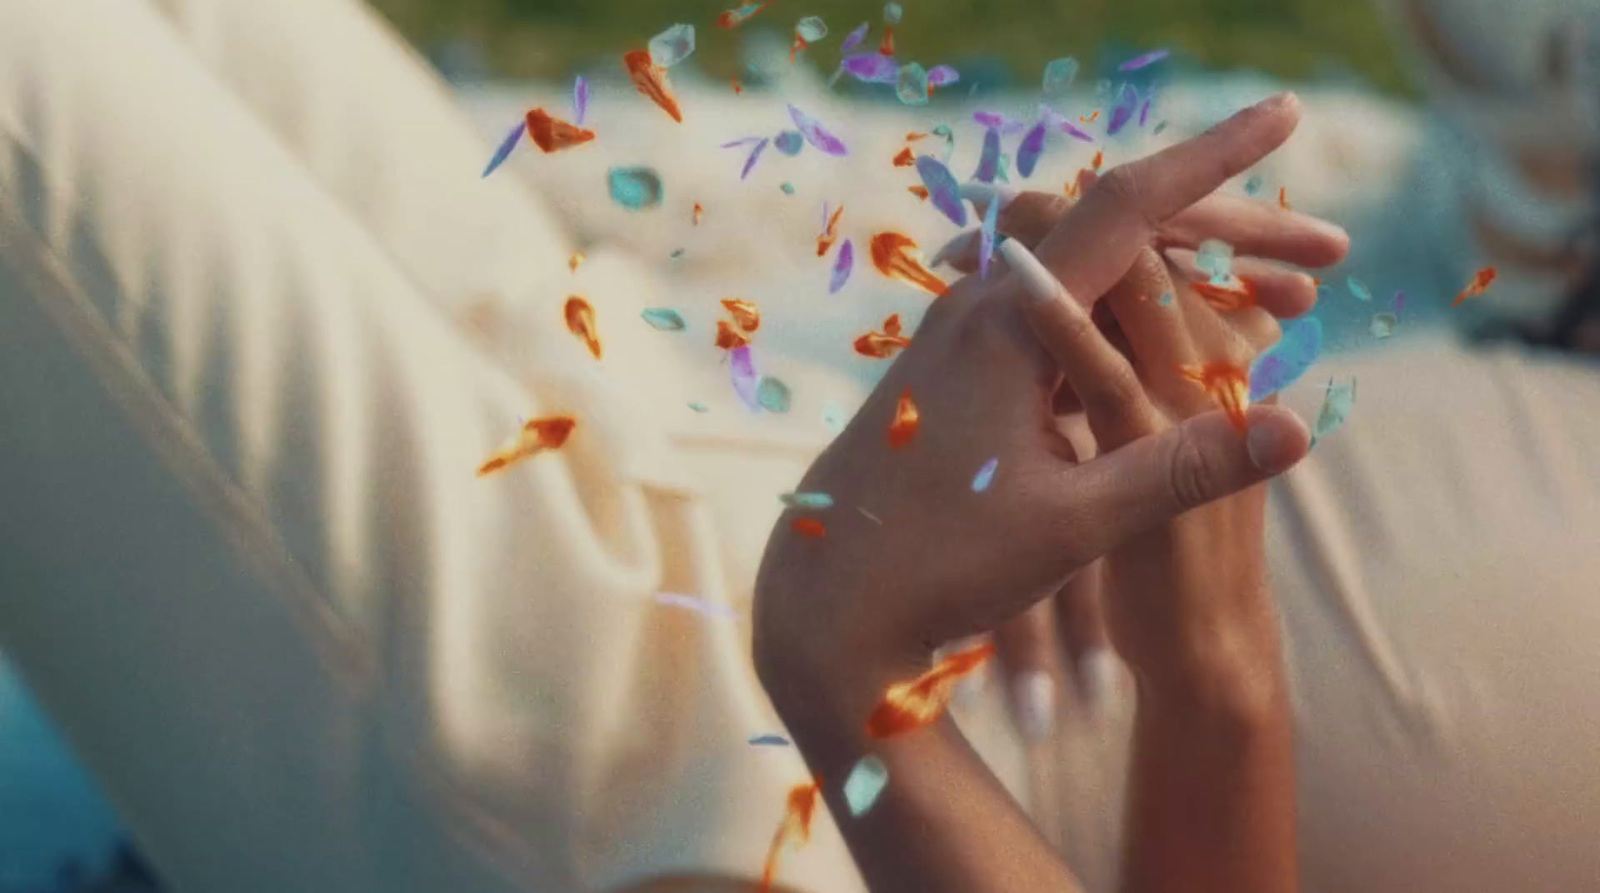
<point x="1291" y="39"/>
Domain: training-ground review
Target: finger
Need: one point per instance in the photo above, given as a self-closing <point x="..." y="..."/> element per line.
<point x="1280" y="291"/>
<point x="1154" y="479"/>
<point x="1258" y="229"/>
<point x="1029" y="655"/>
<point x="1113" y="398"/>
<point x="1158" y="334"/>
<point x="1098" y="241"/>
<point x="1081" y="629"/>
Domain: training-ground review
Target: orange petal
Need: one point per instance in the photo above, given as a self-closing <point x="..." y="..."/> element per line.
<point x="891" y="325"/>
<point x="577" y="258"/>
<point x="1227" y="297"/>
<point x="918" y="191"/>
<point x="880" y="346"/>
<point x="896" y="256"/>
<point x="699" y="211"/>
<point x="580" y="322"/>
<point x="1225" y="383"/>
<point x="1283" y="198"/>
<point x="830" y="233"/>
<point x="906" y="421"/>
<point x="553" y="134"/>
<point x="1480" y="284"/>
<point x="914" y="136"/>
<point x="737" y="87"/>
<point x="799" y="808"/>
<point x="809" y="527"/>
<point x="1099" y="157"/>
<point x="921" y="701"/>
<point x="534" y="438"/>
<point x="729" y="338"/>
<point x="651" y="80"/>
<point x="1092" y="117"/>
<point x="886" y="46"/>
<point x="744" y="313"/>
<point x="905" y="158"/>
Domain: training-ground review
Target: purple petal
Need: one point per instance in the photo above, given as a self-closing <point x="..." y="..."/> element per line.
<point x="1399" y="302"/>
<point x="854" y="38"/>
<point x="986" y="235"/>
<point x="1139" y="62"/>
<point x="742" y="368"/>
<point x="700" y="605"/>
<point x="816" y="135"/>
<point x="1064" y="124"/>
<point x="943" y="190"/>
<point x="1144" y="111"/>
<point x="989" y="161"/>
<point x="506" y="145"/>
<point x="1032" y="147"/>
<point x="843" y="263"/>
<point x="755" y="154"/>
<point x="1289" y="359"/>
<point x="872" y="68"/>
<point x="747" y="141"/>
<point x="942" y="76"/>
<point x="1127" y="104"/>
<point x="997" y="121"/>
<point x="580" y="99"/>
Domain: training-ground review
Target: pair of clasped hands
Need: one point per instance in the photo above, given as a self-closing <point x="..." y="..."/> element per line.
<point x="1126" y="511"/>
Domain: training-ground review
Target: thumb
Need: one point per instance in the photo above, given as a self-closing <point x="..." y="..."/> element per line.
<point x="1154" y="479"/>
<point x="1028" y="649"/>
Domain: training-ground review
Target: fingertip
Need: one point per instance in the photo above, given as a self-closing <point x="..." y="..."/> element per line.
<point x="1276" y="439"/>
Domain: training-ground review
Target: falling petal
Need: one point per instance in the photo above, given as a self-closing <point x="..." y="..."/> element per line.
<point x="744" y="313"/>
<point x="664" y="319"/>
<point x="1283" y="198"/>
<point x="886" y="45"/>
<point x="811" y="29"/>
<point x="746" y="141"/>
<point x="1215" y="257"/>
<point x="808" y="501"/>
<point x="676" y="253"/>
<point x="1144" y="110"/>
<point x="816" y="135"/>
<point x="1002" y="168"/>
<point x="651" y="80"/>
<point x="911" y="84"/>
<point x="854" y="38"/>
<point x="553" y="134"/>
<point x="881" y="345"/>
<point x="729" y="337"/>
<point x="773" y="395"/>
<point x="907" y="419"/>
<point x="1127" y="104"/>
<point x="1252" y="186"/>
<point x="985" y="476"/>
<point x="1383" y="325"/>
<point x="1065" y="125"/>
<point x="787" y="187"/>
<point x="809" y="527"/>
<point x="733" y="18"/>
<point x="896" y="256"/>
<point x="577" y="259"/>
<point x="1099" y="160"/>
<point x="1285" y="362"/>
<point x="672" y="45"/>
<point x="789" y="142"/>
<point x="796" y="826"/>
<point x="919" y="702"/>
<point x="1335" y="409"/>
<point x="742" y="370"/>
<point x="986" y="237"/>
<point x="580" y="322"/>
<point x="905" y="158"/>
<point x="1226" y="384"/>
<point x="769" y="741"/>
<point x="634" y="188"/>
<point x="949" y="136"/>
<point x="695" y="215"/>
<point x="1147" y="59"/>
<point x="1399" y="305"/>
<point x="1228" y="298"/>
<point x="533" y="438"/>
<point x="1032" y="147"/>
<point x="865" y="782"/>
<point x="1059" y="75"/>
<point x="755" y="155"/>
<point x="1159" y="128"/>
<point x="506" y="145"/>
<point x="843" y="263"/>
<point x="1480" y="284"/>
<point x="830" y="229"/>
<point x="918" y="191"/>
<point x="1359" y="289"/>
<point x="580" y="99"/>
<point x="942" y="76"/>
<point x="989" y="161"/>
<point x="872" y="68"/>
<point x="698" y="605"/>
<point x="943" y="190"/>
<point x="892" y="13"/>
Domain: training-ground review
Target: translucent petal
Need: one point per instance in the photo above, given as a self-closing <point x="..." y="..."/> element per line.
<point x="865" y="782"/>
<point x="892" y="13"/>
<point x="1336" y="408"/>
<point x="943" y="190"/>
<point x="873" y="68"/>
<point x="854" y="38"/>
<point x="1138" y="62"/>
<point x="773" y="395"/>
<point x="942" y="76"/>
<point x="816" y="134"/>
<point x="1253" y="185"/>
<point x="911" y="84"/>
<point x="985" y="476"/>
<point x="1215" y="258"/>
<point x="1059" y="75"/>
<point x="1383" y="325"/>
<point x="672" y="45"/>
<point x="1359" y="289"/>
<point x="634" y="188"/>
<point x="789" y="142"/>
<point x="811" y="501"/>
<point x="1286" y="361"/>
<point x="665" y="319"/>
<point x="811" y="29"/>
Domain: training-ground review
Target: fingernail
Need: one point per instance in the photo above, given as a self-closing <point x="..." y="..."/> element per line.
<point x="969" y="691"/>
<point x="1035" y="701"/>
<point x="983" y="193"/>
<point x="1038" y="283"/>
<point x="1266" y="445"/>
<point x="1097" y="669"/>
<point x="954" y="248"/>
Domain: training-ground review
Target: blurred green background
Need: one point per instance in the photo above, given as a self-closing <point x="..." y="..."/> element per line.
<point x="1291" y="39"/>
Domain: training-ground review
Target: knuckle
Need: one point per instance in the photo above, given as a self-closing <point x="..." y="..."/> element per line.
<point x="1122" y="185"/>
<point x="1117" y="393"/>
<point x="1194" y="476"/>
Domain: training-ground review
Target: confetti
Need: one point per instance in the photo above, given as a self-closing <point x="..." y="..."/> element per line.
<point x="535" y="437"/>
<point x="664" y="319"/>
<point x="872" y="68"/>
<point x="742" y="370"/>
<point x="1480" y="284"/>
<point x="744" y="313"/>
<point x="1059" y="75"/>
<point x="911" y="84"/>
<point x="1032" y="147"/>
<point x="1215" y="258"/>
<point x="580" y="322"/>
<point x="942" y="76"/>
<point x="943" y="190"/>
<point x="552" y="134"/>
<point x="830" y="229"/>
<point x="1359" y="289"/>
<point x="695" y="215"/>
<point x="634" y="188"/>
<point x="769" y="741"/>
<point x="1336" y="406"/>
<point x="1283" y="364"/>
<point x="1145" y="60"/>
<point x="1252" y="186"/>
<point x="892" y="13"/>
<point x="1227" y="385"/>
<point x="796" y="826"/>
<point x="580" y="99"/>
<point x="910" y="705"/>
<point x="985" y="476"/>
<point x="816" y="135"/>
<point x="1228" y="298"/>
<point x="809" y="527"/>
<point x="989" y="161"/>
<point x="866" y="781"/>
<point x="1127" y="104"/>
<point x="733" y="18"/>
<point x="843" y="263"/>
<point x="789" y="142"/>
<point x="506" y="145"/>
<point x="986" y="238"/>
<point x="896" y="256"/>
<point x="1383" y="325"/>
<point x="854" y="38"/>
<point x="576" y="260"/>
<point x="810" y="501"/>
<point x="698" y="605"/>
<point x="906" y="421"/>
<point x="773" y="395"/>
<point x="651" y="80"/>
